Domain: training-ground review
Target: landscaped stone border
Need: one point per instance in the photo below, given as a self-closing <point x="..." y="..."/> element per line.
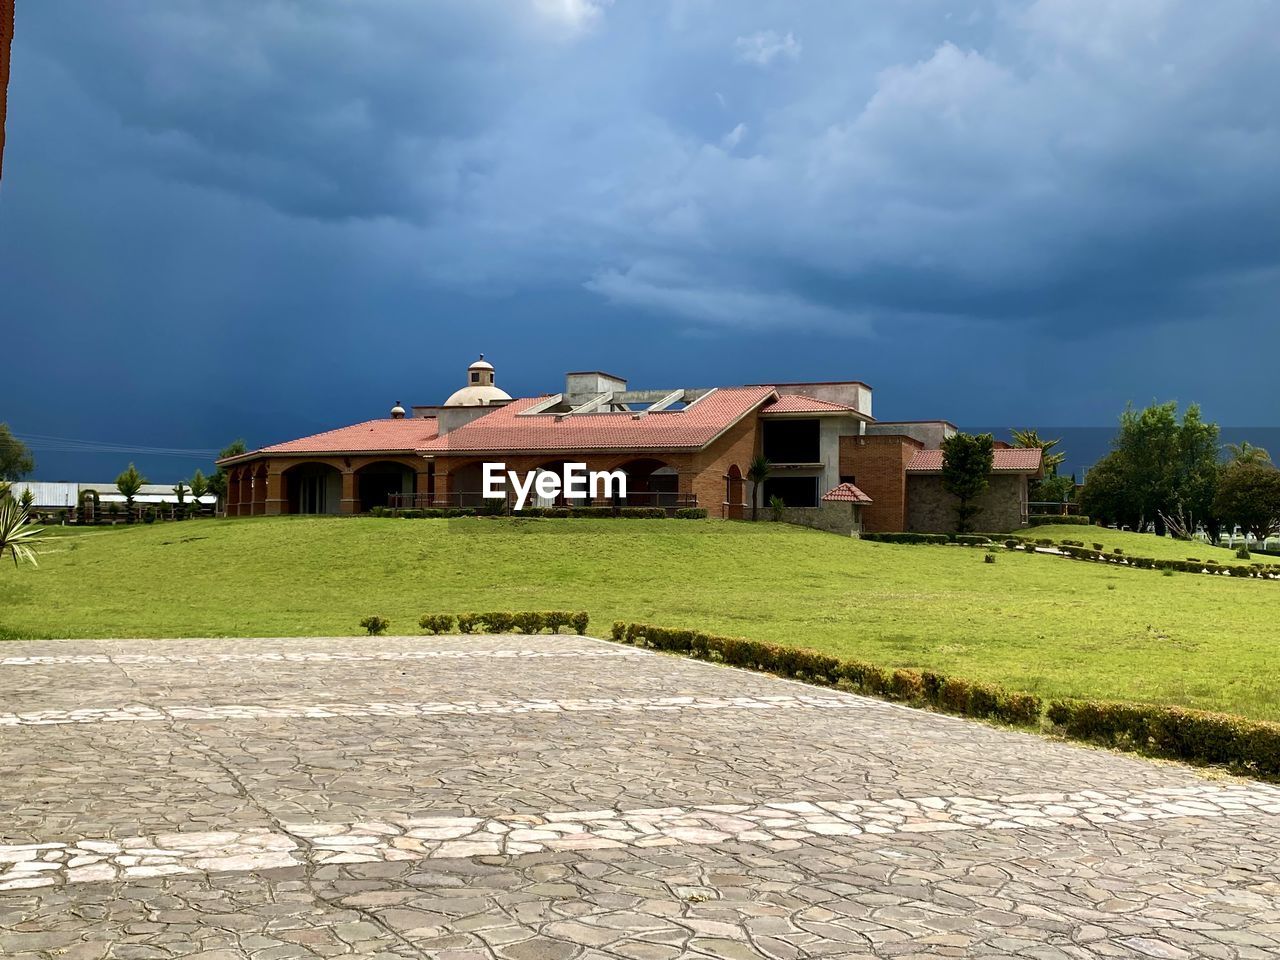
<point x="781" y="824"/>
<point x="1250" y="747"/>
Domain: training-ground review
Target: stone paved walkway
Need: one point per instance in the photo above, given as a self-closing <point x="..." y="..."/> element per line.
<point x="556" y="797"/>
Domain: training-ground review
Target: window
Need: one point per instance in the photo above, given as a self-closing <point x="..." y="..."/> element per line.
<point x="794" y="491"/>
<point x="848" y="478"/>
<point x="475" y="376"/>
<point x="792" y="441"/>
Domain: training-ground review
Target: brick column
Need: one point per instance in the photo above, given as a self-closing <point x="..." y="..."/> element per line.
<point x="259" y="493"/>
<point x="246" y="498"/>
<point x="232" y="502"/>
<point x="349" y="502"/>
<point x="276" y="502"/>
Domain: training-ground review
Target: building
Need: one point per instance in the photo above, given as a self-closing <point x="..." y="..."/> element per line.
<point x="832" y="463"/>
<point x="54" y="496"/>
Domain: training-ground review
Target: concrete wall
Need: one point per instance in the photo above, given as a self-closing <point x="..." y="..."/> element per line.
<point x="838" y="517"/>
<point x="929" y="432"/>
<point x="851" y="394"/>
<point x="930" y="509"/>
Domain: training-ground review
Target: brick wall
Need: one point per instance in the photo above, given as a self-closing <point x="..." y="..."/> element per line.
<point x="708" y="468"/>
<point x="878" y="465"/>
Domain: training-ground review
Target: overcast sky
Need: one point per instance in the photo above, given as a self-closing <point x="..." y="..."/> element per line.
<point x="262" y="218"/>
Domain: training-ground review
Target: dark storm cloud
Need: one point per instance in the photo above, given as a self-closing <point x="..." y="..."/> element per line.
<point x="249" y="193"/>
<point x="1026" y="161"/>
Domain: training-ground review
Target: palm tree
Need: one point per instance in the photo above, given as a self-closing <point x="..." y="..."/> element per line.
<point x="1030" y="439"/>
<point x="129" y="483"/>
<point x="1246" y="452"/>
<point x="17" y="537"/>
<point x="758" y="473"/>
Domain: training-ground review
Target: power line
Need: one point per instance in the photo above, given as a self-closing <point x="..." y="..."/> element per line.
<point x="71" y="445"/>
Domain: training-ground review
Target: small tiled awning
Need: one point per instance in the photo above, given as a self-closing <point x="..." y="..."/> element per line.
<point x="845" y="493"/>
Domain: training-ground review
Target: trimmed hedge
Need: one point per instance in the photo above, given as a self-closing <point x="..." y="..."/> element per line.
<point x="1177" y="733"/>
<point x="631" y="513"/>
<point x="906" y="537"/>
<point x="691" y="513"/>
<point x="950" y="694"/>
<point x="523" y="621"/>
<point x="1045" y="519"/>
<point x="1173" y="732"/>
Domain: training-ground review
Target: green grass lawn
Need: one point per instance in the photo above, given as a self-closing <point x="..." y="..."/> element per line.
<point x="1036" y="623"/>
<point x="1141" y="544"/>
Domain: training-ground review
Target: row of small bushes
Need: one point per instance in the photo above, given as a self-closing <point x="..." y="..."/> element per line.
<point x="628" y="513"/>
<point x="966" y="539"/>
<point x="949" y="694"/>
<point x="523" y="621"/>
<point x="1259" y="570"/>
<point x="1173" y="732"/>
<point x="1045" y="519"/>
<point x="1176" y="733"/>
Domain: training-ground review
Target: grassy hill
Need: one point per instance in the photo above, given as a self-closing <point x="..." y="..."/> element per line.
<point x="1037" y="623"/>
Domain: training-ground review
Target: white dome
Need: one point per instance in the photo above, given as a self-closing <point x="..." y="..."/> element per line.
<point x="481" y="364"/>
<point x="479" y="395"/>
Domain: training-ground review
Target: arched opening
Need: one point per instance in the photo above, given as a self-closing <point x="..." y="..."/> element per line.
<point x="376" y="482"/>
<point x="554" y="467"/>
<point x="313" y="488"/>
<point x="650" y="483"/>
<point x="734" y="494"/>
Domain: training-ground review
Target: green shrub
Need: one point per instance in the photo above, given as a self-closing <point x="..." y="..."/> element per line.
<point x="527" y="621"/>
<point x="972" y="539"/>
<point x="1098" y="547"/>
<point x="1242" y="553"/>
<point x="467" y="622"/>
<point x="1251" y="746"/>
<point x="642" y="513"/>
<point x="619" y="630"/>
<point x="497" y="621"/>
<point x="906" y="537"/>
<point x="691" y="513"/>
<point x="591" y="511"/>
<point x="1011" y="544"/>
<point x="579" y="622"/>
<point x="906" y="685"/>
<point x="436" y="623"/>
<point x="375" y="625"/>
<point x="1045" y="519"/>
<point x="989" y="558"/>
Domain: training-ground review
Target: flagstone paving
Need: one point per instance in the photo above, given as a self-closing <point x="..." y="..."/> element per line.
<point x="536" y="798"/>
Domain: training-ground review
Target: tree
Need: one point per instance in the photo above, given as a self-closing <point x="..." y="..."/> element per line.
<point x="129" y="483"/>
<point x="1050" y="488"/>
<point x="1104" y="497"/>
<point x="17" y="537"/>
<point x="180" y="491"/>
<point x="218" y="482"/>
<point x="16" y="461"/>
<point x="758" y="473"/>
<point x="199" y="485"/>
<point x="1160" y="470"/>
<point x="1246" y="452"/>
<point x="1249" y="495"/>
<point x="966" y="472"/>
<point x="27" y="499"/>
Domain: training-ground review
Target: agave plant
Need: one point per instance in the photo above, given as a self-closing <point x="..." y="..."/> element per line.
<point x="17" y="536"/>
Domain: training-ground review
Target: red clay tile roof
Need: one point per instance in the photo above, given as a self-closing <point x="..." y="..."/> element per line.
<point x="693" y="427"/>
<point x="846" y="492"/>
<point x="795" y="403"/>
<point x="372" y="436"/>
<point x="1017" y="460"/>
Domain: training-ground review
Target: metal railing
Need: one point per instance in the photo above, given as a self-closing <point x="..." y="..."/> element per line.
<point x="464" y="499"/>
